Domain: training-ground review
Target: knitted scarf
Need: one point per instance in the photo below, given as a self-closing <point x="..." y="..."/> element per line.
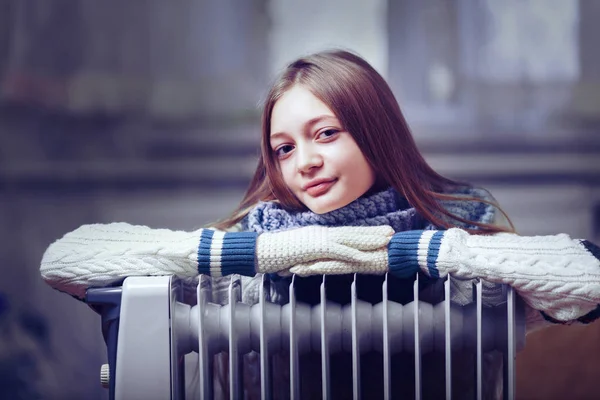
<point x="387" y="207"/>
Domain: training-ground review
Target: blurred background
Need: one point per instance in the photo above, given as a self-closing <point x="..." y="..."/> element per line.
<point x="148" y="112"/>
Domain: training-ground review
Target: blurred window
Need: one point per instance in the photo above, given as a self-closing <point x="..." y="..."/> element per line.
<point x="507" y="66"/>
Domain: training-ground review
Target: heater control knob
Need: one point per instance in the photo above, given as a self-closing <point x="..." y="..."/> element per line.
<point x="104" y="375"/>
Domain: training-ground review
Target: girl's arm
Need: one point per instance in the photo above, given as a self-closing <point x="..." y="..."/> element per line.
<point x="556" y="275"/>
<point x="98" y="255"/>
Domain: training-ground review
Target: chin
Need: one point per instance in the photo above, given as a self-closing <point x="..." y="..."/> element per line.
<point x="325" y="208"/>
<point x="321" y="210"/>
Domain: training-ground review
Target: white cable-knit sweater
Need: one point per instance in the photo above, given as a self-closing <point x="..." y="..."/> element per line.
<point x="555" y="275"/>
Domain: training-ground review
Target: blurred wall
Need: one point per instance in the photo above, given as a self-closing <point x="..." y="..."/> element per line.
<point x="147" y="112"/>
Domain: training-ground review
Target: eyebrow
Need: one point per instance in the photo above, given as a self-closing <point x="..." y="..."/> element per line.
<point x="310" y="122"/>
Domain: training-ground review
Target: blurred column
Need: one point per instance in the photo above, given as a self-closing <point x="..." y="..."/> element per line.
<point x="424" y="63"/>
<point x="302" y="27"/>
<point x="585" y="103"/>
<point x="6" y="14"/>
<point x="222" y="52"/>
<point x="423" y="39"/>
<point x="190" y="58"/>
<point x="520" y="61"/>
<point x="471" y="65"/>
<point x="44" y="43"/>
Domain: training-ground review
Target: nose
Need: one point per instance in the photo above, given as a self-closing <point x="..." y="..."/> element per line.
<point x="307" y="158"/>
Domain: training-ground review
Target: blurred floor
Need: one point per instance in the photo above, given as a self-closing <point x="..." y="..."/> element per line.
<point x="560" y="362"/>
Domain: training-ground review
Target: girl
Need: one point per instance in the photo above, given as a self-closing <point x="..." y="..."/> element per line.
<point x="341" y="187"/>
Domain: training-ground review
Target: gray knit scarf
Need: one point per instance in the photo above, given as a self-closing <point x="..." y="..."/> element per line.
<point x="387" y="207"/>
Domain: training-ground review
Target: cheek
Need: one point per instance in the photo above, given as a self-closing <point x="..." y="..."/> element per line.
<point x="287" y="174"/>
<point x="363" y="173"/>
<point x="358" y="165"/>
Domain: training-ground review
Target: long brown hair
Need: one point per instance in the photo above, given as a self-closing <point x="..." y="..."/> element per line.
<point x="366" y="108"/>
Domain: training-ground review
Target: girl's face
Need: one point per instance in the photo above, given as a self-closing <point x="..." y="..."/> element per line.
<point x="320" y="162"/>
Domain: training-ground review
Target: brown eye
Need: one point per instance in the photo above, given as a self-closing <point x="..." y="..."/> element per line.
<point x="328" y="133"/>
<point x="283" y="150"/>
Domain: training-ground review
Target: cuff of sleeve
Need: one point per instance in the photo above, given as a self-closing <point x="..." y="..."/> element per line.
<point x="586" y="319"/>
<point x="221" y="253"/>
<point x="411" y="251"/>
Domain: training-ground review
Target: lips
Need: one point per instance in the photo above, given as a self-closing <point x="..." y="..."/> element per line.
<point x="319" y="188"/>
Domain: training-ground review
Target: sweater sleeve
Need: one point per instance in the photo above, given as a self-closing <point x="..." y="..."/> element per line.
<point x="101" y="254"/>
<point x="555" y="275"/>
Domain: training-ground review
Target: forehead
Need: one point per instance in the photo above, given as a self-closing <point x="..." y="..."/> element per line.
<point x="297" y="106"/>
